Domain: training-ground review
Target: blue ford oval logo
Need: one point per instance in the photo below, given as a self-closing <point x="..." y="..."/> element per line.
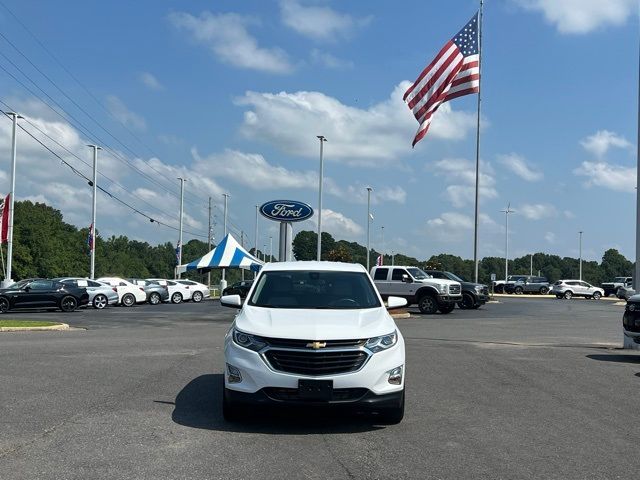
<point x="286" y="210"/>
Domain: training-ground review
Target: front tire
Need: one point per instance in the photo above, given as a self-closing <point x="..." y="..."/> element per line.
<point x="176" y="298"/>
<point x="518" y="291"/>
<point x="544" y="290"/>
<point x="448" y="308"/>
<point x="467" y="302"/>
<point x="154" y="298"/>
<point x="100" y="301"/>
<point x="68" y="303"/>
<point x="231" y="411"/>
<point x="596" y="296"/>
<point x="393" y="416"/>
<point x="4" y="305"/>
<point x="197" y="297"/>
<point x="567" y="295"/>
<point x="128" y="300"/>
<point x="428" y="304"/>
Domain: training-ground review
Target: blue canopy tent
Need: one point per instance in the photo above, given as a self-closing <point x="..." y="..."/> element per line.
<point x="228" y="254"/>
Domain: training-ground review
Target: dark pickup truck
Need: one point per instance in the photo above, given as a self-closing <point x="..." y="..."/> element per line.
<point x="474" y="295"/>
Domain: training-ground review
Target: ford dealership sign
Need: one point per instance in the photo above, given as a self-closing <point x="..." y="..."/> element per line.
<point x="286" y="210"/>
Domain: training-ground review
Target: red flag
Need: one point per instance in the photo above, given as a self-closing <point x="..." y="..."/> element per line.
<point x="4" y="219"/>
<point x="453" y="73"/>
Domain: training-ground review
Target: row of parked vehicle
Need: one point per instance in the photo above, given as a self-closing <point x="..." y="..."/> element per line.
<point x="519" y="284"/>
<point x="69" y="293"/>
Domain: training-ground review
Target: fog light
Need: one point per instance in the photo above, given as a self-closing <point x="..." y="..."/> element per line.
<point x="233" y="374"/>
<point x="395" y="376"/>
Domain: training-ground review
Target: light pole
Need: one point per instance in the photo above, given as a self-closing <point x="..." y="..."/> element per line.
<point x="320" y="181"/>
<point x="506" y="240"/>
<point x="531" y="266"/>
<point x="256" y="240"/>
<point x="92" y="270"/>
<point x="270" y="248"/>
<point x="580" y="278"/>
<point x="182" y="180"/>
<point x="209" y="245"/>
<point x="223" y="281"/>
<point x="369" y="190"/>
<point x="382" y="244"/>
<point x="12" y="195"/>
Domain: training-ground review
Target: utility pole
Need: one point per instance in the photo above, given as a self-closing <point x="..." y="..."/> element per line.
<point x="209" y="245"/>
<point x="320" y="181"/>
<point x="580" y="278"/>
<point x="223" y="281"/>
<point x="92" y="270"/>
<point x="12" y="195"/>
<point x="242" y="245"/>
<point x="369" y="189"/>
<point x="182" y="180"/>
<point x="256" y="244"/>
<point x="506" y="240"/>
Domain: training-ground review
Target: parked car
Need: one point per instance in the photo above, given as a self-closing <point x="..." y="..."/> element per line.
<point x="155" y="292"/>
<point x="625" y="292"/>
<point x="42" y="294"/>
<point x="199" y="291"/>
<point x="128" y="293"/>
<point x="100" y="294"/>
<point x="414" y="285"/>
<point x="315" y="334"/>
<point x="474" y="295"/>
<point x="178" y="292"/>
<point x="527" y="284"/>
<point x="615" y="285"/>
<point x="631" y="323"/>
<point x="238" y="288"/>
<point x="576" y="288"/>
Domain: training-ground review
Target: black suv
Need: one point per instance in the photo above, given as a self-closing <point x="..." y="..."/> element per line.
<point x="474" y="295"/>
<point x="239" y="288"/>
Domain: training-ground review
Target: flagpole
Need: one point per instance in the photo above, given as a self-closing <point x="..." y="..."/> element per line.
<point x="636" y="276"/>
<point x="476" y="222"/>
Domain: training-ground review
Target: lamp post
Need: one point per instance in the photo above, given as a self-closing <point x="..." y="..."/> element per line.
<point x="92" y="267"/>
<point x="369" y="189"/>
<point x="12" y="195"/>
<point x="580" y="249"/>
<point x="182" y="180"/>
<point x="506" y="240"/>
<point x="223" y="281"/>
<point x="320" y="181"/>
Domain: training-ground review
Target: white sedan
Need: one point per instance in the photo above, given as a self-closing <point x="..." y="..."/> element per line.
<point x="128" y="293"/>
<point x="177" y="291"/>
<point x="199" y="291"/>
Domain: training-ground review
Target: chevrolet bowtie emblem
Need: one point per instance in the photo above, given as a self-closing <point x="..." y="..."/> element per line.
<point x="316" y="345"/>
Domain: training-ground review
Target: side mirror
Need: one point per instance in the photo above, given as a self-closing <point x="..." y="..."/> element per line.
<point x="406" y="278"/>
<point x="396" y="302"/>
<point x="232" y="301"/>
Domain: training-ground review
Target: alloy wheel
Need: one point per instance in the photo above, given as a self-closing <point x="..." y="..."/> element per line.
<point x="100" y="301"/>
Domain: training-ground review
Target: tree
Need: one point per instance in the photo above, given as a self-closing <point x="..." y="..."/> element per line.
<point x="305" y="245"/>
<point x="615" y="265"/>
<point x="339" y="254"/>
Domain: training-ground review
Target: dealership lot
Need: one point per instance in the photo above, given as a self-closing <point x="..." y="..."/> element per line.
<point x="526" y="388"/>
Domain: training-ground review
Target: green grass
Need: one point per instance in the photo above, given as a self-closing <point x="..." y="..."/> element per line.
<point x="26" y="323"/>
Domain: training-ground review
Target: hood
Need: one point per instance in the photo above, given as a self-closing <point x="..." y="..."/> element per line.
<point x="439" y="281"/>
<point x="473" y="285"/>
<point x="315" y="324"/>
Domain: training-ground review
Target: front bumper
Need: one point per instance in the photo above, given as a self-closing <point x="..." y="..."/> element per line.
<point x="449" y="298"/>
<point x="257" y="374"/>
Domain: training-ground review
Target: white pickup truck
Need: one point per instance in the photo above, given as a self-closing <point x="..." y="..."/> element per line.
<point x="430" y="294"/>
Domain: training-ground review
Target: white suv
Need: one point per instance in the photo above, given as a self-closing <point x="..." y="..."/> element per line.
<point x="317" y="334"/>
<point x="576" y="288"/>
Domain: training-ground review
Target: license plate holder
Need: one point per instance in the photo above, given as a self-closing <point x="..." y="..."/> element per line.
<point x="318" y="390"/>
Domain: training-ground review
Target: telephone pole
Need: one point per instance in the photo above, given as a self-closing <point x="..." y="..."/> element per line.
<point x="12" y="195"/>
<point x="92" y="270"/>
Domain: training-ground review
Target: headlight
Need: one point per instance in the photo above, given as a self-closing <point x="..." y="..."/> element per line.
<point x="251" y="342"/>
<point x="378" y="344"/>
<point x="479" y="288"/>
<point x="442" y="288"/>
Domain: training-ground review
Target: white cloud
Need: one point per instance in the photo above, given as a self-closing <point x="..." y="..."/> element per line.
<point x="602" y="141"/>
<point x="329" y="61"/>
<point x="455" y="227"/>
<point x="550" y="237"/>
<point x="582" y="16"/>
<point x="568" y="214"/>
<point x="613" y="177"/>
<point x="518" y="165"/>
<point x="462" y="174"/>
<point x="319" y="23"/>
<point x="149" y="80"/>
<point x="385" y="194"/>
<point x="337" y="224"/>
<point x="119" y="110"/>
<point x="375" y="136"/>
<point x="226" y="35"/>
<point x="537" y="211"/>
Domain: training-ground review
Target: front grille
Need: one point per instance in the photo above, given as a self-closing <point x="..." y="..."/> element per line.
<point x="295" y="343"/>
<point x="485" y="291"/>
<point x="337" y="395"/>
<point x="454" y="289"/>
<point x="316" y="363"/>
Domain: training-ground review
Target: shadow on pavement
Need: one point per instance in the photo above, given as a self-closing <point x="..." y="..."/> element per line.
<point x="199" y="405"/>
<point x="616" y="358"/>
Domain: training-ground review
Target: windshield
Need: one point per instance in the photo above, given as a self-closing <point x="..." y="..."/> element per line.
<point x="516" y="278"/>
<point x="313" y="290"/>
<point x="21" y="283"/>
<point x="453" y="276"/>
<point x="418" y="274"/>
<point x="620" y="279"/>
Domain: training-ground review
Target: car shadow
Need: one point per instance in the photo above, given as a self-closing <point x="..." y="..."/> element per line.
<point x="618" y="358"/>
<point x="199" y="405"/>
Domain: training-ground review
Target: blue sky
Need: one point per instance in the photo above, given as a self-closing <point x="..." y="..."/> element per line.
<point x="232" y="94"/>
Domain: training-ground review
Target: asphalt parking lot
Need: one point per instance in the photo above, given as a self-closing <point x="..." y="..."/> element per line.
<point x="526" y="388"/>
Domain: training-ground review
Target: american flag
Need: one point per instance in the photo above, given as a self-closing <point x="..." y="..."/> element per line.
<point x="453" y="73"/>
<point x="4" y="218"/>
<point x="90" y="238"/>
<point x="178" y="249"/>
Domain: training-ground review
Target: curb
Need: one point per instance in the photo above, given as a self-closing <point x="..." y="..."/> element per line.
<point x="401" y="315"/>
<point x="61" y="326"/>
<point x="550" y="297"/>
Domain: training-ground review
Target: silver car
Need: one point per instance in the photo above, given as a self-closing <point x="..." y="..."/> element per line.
<point x="100" y="294"/>
<point x="156" y="293"/>
<point x="576" y="288"/>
